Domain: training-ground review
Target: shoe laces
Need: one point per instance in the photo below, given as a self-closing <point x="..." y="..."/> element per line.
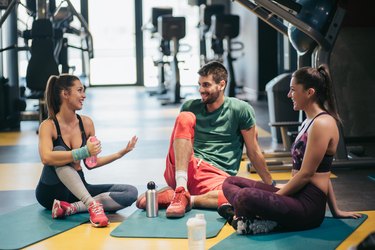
<point x="178" y="196"/>
<point x="97" y="208"/>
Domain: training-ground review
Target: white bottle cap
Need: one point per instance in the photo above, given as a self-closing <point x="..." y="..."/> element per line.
<point x="199" y="216"/>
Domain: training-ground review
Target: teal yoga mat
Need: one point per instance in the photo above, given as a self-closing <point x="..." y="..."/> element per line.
<point x="372" y="177"/>
<point x="33" y="223"/>
<point x="138" y="225"/>
<point x="328" y="236"/>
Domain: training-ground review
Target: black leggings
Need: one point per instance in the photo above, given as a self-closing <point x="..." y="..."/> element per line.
<point x="50" y="188"/>
<point x="302" y="210"/>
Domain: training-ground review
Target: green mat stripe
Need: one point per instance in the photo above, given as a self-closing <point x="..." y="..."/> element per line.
<point x="31" y="224"/>
<point x="138" y="225"/>
<point x="328" y="236"/>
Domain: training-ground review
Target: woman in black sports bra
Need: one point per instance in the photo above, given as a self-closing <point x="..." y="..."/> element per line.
<point x="300" y="203"/>
<point x="64" y="140"/>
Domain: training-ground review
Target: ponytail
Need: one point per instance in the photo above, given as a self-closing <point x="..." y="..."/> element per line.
<point x="52" y="97"/>
<point x="320" y="80"/>
<point x="55" y="85"/>
<point x="329" y="102"/>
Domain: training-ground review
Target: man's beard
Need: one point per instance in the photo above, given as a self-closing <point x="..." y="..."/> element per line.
<point x="211" y="98"/>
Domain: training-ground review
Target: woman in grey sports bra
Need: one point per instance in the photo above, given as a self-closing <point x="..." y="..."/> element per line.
<point x="64" y="141"/>
<point x="300" y="203"/>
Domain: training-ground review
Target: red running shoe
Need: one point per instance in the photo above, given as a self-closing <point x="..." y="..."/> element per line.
<point x="60" y="209"/>
<point x="165" y="196"/>
<point x="97" y="215"/>
<point x="180" y="204"/>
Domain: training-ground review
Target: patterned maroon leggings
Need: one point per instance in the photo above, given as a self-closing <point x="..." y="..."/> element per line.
<point x="300" y="211"/>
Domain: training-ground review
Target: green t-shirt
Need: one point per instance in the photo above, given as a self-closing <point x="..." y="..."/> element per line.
<point x="218" y="139"/>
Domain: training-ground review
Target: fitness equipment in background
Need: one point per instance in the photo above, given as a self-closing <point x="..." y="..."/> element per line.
<point x="216" y="31"/>
<point x="162" y="62"/>
<point x="283" y="120"/>
<point x="11" y="104"/>
<point x="42" y="63"/>
<point x="315" y="23"/>
<point x="171" y="30"/>
<point x="223" y="29"/>
<point x="205" y="14"/>
<point x="48" y="49"/>
<point x="313" y="29"/>
<point x="62" y="18"/>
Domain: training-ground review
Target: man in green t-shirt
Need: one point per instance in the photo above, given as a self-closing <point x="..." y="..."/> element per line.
<point x="206" y="146"/>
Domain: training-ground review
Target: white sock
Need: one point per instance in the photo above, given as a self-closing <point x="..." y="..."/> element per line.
<point x="181" y="179"/>
<point x="192" y="199"/>
<point x="80" y="206"/>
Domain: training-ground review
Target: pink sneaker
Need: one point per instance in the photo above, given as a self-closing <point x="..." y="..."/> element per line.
<point x="60" y="209"/>
<point x="97" y="215"/>
<point x="180" y="204"/>
<point x="165" y="196"/>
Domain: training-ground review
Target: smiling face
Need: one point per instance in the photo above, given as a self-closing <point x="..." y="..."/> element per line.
<point x="209" y="90"/>
<point x="75" y="96"/>
<point x="298" y="95"/>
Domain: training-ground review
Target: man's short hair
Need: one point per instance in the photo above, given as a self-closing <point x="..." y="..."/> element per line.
<point x="216" y="69"/>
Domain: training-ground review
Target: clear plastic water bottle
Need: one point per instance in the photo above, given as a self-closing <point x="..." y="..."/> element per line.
<point x="196" y="232"/>
<point x="152" y="207"/>
<point x="91" y="161"/>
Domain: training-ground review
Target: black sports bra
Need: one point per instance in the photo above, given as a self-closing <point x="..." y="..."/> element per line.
<point x="299" y="147"/>
<point x="59" y="140"/>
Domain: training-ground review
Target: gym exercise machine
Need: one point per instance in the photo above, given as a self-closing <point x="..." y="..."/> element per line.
<point x="223" y="29"/>
<point x="48" y="49"/>
<point x="162" y="62"/>
<point x="216" y="31"/>
<point x="10" y="102"/>
<point x="312" y="30"/>
<point x="205" y="14"/>
<point x="42" y="63"/>
<point x="293" y="13"/>
<point x="171" y="30"/>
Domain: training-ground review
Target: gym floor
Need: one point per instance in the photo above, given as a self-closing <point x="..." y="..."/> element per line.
<point x="118" y="114"/>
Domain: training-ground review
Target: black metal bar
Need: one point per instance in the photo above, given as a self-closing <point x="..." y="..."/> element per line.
<point x="266" y="16"/>
<point x="293" y="6"/>
<point x="139" y="41"/>
<point x="355" y="162"/>
<point x="8" y="11"/>
<point x="305" y="28"/>
<point x="85" y="27"/>
<point x="85" y="10"/>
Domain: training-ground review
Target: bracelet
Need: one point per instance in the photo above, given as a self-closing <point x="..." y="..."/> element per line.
<point x="273" y="183"/>
<point x="80" y="153"/>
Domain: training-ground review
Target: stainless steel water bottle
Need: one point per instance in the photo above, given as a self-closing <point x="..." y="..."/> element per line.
<point x="152" y="208"/>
